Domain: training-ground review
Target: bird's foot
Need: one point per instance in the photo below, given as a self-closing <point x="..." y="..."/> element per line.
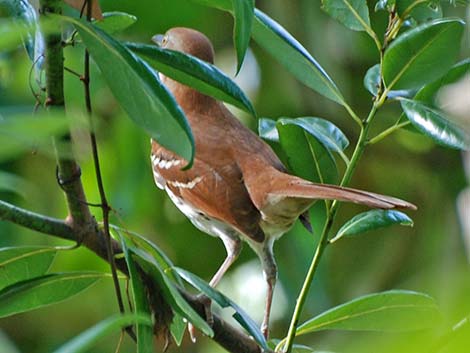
<point x="206" y="303"/>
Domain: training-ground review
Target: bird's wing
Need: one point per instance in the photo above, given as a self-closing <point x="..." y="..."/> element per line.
<point x="218" y="194"/>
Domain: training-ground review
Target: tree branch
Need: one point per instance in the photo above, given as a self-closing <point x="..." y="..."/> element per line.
<point x="68" y="169"/>
<point x="35" y="221"/>
<point x="229" y="337"/>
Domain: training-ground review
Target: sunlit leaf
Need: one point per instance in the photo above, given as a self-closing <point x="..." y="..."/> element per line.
<point x="115" y="21"/>
<point x="433" y="123"/>
<point x="354" y="14"/>
<point x="370" y="220"/>
<point x="415" y="57"/>
<point x="169" y="291"/>
<point x="267" y="129"/>
<point x="394" y="311"/>
<point x="21" y="263"/>
<point x="242" y="318"/>
<point x="323" y="130"/>
<point x="195" y="73"/>
<point x="85" y="341"/>
<point x="243" y="12"/>
<point x="137" y="88"/>
<point x="45" y="290"/>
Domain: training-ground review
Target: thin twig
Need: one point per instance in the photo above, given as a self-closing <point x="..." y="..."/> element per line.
<point x="99" y="179"/>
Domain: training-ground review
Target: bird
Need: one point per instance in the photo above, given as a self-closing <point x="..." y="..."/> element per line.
<point x="237" y="189"/>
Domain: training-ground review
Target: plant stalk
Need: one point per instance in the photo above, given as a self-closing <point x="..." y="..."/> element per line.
<point x="323" y="242"/>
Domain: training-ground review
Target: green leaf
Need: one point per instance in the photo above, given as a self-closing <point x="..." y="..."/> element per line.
<point x="370" y="220"/>
<point x="417" y="56"/>
<point x="354" y="14"/>
<point x="323" y="130"/>
<point x="225" y="5"/>
<point x="30" y="133"/>
<point x="372" y="83"/>
<point x="178" y="328"/>
<point x="137" y="88"/>
<point x="432" y="123"/>
<point x="150" y="248"/>
<point x="115" y="21"/>
<point x="424" y="11"/>
<point x="392" y="311"/>
<point x="21" y="263"/>
<point x="384" y="5"/>
<point x="144" y="332"/>
<point x="240" y="316"/>
<point x="306" y="156"/>
<point x="372" y="79"/>
<point x="267" y="129"/>
<point x="457" y="72"/>
<point x="85" y="341"/>
<point x="178" y="325"/>
<point x="169" y="291"/>
<point x="428" y="93"/>
<point x="195" y="73"/>
<point x="45" y="290"/>
<point x="243" y="12"/>
<point x="272" y="37"/>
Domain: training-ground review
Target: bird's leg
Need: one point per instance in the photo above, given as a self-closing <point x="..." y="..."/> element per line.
<point x="270" y="273"/>
<point x="233" y="246"/>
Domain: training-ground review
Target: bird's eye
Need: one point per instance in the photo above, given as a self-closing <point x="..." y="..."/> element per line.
<point x="160" y="39"/>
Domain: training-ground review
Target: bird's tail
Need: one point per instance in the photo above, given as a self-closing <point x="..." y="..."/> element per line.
<point x="302" y="189"/>
<point x="271" y="189"/>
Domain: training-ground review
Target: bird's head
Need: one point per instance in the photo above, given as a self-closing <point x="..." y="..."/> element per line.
<point x="188" y="41"/>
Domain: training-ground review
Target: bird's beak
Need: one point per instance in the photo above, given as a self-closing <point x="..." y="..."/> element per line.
<point x="158" y="39"/>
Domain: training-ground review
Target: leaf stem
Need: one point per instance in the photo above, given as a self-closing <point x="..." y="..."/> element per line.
<point x="387" y="132"/>
<point x="352" y="114"/>
<point x="323" y="242"/>
<point x="88" y="4"/>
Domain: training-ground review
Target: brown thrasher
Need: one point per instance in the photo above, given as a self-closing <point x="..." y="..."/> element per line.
<point x="237" y="189"/>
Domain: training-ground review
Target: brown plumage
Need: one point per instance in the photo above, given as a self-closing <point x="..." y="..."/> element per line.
<point x="237" y="189"/>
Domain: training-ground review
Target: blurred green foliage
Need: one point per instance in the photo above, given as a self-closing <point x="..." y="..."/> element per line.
<point x="430" y="257"/>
